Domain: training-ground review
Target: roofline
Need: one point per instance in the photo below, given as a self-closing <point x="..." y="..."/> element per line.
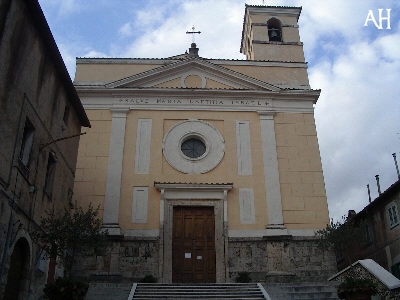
<point x="42" y="27"/>
<point x="127" y="60"/>
<point x="300" y="8"/>
<point x="381" y="197"/>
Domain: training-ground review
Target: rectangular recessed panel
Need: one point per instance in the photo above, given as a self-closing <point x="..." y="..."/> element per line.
<point x="243" y="147"/>
<point x="246" y="203"/>
<point x="143" y="142"/>
<point x="139" y="205"/>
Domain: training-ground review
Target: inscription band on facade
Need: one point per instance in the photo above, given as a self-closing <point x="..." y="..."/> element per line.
<point x="206" y="102"/>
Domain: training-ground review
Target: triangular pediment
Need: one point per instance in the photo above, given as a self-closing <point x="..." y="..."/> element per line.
<point x="192" y="73"/>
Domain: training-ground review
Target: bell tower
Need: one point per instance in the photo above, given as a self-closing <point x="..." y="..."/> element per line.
<point x="271" y="33"/>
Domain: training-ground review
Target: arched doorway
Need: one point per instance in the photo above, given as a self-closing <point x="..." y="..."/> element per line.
<point x="16" y="279"/>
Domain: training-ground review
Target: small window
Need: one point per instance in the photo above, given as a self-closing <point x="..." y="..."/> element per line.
<point x="393" y="215"/>
<point x="50" y="173"/>
<point x="193" y="147"/>
<point x="27" y="142"/>
<point x="369" y="235"/>
<point x="274" y="30"/>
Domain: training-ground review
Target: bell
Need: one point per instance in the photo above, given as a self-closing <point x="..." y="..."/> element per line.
<point x="274" y="35"/>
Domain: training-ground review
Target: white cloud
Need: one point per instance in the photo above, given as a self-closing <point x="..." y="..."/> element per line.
<point x="169" y="37"/>
<point x="69" y="59"/>
<point x="357" y="120"/>
<point x="126" y="30"/>
<point x="64" y="7"/>
<point x="69" y="54"/>
<point x="94" y="53"/>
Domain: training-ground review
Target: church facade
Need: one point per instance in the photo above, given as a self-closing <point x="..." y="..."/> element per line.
<point x="205" y="168"/>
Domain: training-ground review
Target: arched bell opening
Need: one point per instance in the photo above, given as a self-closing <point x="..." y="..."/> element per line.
<point x="274" y="30"/>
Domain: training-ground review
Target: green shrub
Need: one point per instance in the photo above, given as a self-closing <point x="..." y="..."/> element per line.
<point x="148" y="279"/>
<point x="355" y="285"/>
<point x="243" y="277"/>
<point x="66" y="289"/>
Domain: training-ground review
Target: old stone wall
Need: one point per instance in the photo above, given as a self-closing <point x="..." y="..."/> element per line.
<point x="267" y="260"/>
<point x="120" y="260"/>
<point x="280" y="260"/>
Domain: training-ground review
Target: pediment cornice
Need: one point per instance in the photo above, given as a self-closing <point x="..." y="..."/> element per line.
<point x="203" y="68"/>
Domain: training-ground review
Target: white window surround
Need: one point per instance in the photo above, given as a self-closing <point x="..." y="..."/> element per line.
<point x="207" y="133"/>
<point x="393" y="215"/>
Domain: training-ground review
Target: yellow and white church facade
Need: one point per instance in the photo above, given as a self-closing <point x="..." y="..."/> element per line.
<point x="204" y="168"/>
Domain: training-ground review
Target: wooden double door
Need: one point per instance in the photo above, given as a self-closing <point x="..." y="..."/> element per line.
<point x="193" y="244"/>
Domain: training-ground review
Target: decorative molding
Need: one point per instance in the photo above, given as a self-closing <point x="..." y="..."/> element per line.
<point x="190" y="191"/>
<point x="302" y="232"/>
<point x="296" y="101"/>
<point x="194" y="73"/>
<point x="246" y="233"/>
<point x="278" y="43"/>
<point x="181" y="68"/>
<point x="163" y="61"/>
<point x="140" y="233"/>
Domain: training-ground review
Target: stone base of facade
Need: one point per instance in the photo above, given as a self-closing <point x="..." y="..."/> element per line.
<point x="268" y="260"/>
<point x="280" y="259"/>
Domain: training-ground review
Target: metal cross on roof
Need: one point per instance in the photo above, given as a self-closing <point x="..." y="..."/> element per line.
<point x="193" y="33"/>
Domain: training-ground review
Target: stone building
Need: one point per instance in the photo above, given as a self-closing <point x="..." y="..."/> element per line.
<point x="40" y="122"/>
<point x="205" y="168"/>
<point x="380" y="220"/>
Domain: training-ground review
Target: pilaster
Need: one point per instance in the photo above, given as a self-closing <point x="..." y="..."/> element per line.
<point x="114" y="171"/>
<point x="271" y="174"/>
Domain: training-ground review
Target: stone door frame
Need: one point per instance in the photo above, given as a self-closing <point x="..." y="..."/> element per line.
<point x="187" y="194"/>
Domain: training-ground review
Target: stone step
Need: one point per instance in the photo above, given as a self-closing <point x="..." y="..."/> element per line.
<point x="107" y="291"/>
<point x="198" y="291"/>
<point x="295" y="291"/>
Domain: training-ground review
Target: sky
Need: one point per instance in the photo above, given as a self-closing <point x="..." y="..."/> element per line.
<point x="353" y="57"/>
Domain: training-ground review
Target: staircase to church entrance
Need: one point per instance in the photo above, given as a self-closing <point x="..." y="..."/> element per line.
<point x="277" y="291"/>
<point x="200" y="291"/>
<point x="137" y="291"/>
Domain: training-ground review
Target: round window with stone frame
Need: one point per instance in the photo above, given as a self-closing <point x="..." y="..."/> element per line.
<point x="193" y="146"/>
